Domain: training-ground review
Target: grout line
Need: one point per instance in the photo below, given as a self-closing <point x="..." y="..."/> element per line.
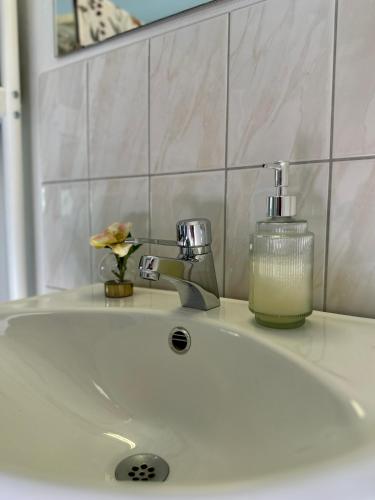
<point x="185" y="172"/>
<point x="149" y="134"/>
<point x="325" y="281"/>
<point x="93" y="179"/>
<point x="88" y="120"/>
<point x="244" y="167"/>
<point x="63" y="181"/>
<point x="149" y="146"/>
<point x="88" y="159"/>
<point x="354" y="158"/>
<point x="309" y="162"/>
<point x="202" y="171"/>
<point x="190" y="172"/>
<point x="245" y="6"/>
<point x="226" y="159"/>
<point x="296" y="162"/>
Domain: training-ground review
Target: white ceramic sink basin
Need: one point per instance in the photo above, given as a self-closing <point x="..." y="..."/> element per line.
<point x="85" y="383"/>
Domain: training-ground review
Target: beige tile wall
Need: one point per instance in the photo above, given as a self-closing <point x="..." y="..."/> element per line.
<point x="280" y="81"/>
<point x="119" y="200"/>
<point x="66" y="225"/>
<point x="177" y="126"/>
<point x="118" y="112"/>
<point x="354" y="132"/>
<point x="188" y="89"/>
<point x="351" y="263"/>
<point x="63" y="123"/>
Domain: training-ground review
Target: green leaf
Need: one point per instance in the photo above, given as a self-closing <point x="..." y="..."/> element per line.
<point x="133" y="249"/>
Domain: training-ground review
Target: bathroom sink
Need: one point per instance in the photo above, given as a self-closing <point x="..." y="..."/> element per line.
<point x="86" y="383"/>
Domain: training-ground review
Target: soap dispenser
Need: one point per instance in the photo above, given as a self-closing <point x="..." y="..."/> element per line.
<point x="281" y="260"/>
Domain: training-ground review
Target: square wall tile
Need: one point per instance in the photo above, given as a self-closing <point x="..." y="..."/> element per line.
<point x="280" y="83"/>
<point x="351" y="263"/>
<point x="62" y="119"/>
<point x="118" y="112"/>
<point x="354" y="82"/>
<point x="188" y="97"/>
<point x="175" y="197"/>
<point x="120" y="200"/>
<point x="65" y="209"/>
<point x="246" y="204"/>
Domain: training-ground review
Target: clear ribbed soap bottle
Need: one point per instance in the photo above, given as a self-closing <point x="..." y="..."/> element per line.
<point x="281" y="260"/>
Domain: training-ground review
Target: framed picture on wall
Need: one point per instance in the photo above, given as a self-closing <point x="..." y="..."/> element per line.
<point x="82" y="23"/>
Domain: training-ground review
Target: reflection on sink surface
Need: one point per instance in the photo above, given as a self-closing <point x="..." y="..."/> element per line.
<point x="80" y="390"/>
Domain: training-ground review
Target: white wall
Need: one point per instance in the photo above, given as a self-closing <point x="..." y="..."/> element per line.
<point x="3" y="274"/>
<point x="3" y="271"/>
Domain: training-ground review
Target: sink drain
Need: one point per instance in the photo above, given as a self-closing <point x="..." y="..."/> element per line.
<point x="142" y="467"/>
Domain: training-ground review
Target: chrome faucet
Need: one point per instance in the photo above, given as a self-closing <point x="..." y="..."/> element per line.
<point x="192" y="272"/>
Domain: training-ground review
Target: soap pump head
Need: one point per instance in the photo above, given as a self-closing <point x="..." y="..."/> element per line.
<point x="281" y="204"/>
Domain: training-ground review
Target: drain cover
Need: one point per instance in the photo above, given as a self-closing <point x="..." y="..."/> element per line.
<point x="142" y="467"/>
<point x="179" y="340"/>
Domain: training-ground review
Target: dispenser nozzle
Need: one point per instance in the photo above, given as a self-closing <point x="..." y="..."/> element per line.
<point x="281" y="175"/>
<point x="281" y="204"/>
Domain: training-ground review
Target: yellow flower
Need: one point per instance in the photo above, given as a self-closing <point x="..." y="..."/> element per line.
<point x="114" y="237"/>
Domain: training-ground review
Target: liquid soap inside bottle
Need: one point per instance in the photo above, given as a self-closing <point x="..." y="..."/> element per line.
<point x="281" y="272"/>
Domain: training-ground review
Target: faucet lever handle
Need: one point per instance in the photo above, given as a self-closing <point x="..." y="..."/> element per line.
<point x="191" y="233"/>
<point x="194" y="233"/>
<point x="152" y="241"/>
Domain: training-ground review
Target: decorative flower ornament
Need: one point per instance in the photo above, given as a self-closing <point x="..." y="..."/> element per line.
<point x="114" y="237"/>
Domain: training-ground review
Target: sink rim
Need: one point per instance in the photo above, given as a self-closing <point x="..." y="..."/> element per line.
<point x="310" y="347"/>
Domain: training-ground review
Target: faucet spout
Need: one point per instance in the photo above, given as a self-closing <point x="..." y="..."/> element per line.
<point x="194" y="279"/>
<point x="192" y="272"/>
